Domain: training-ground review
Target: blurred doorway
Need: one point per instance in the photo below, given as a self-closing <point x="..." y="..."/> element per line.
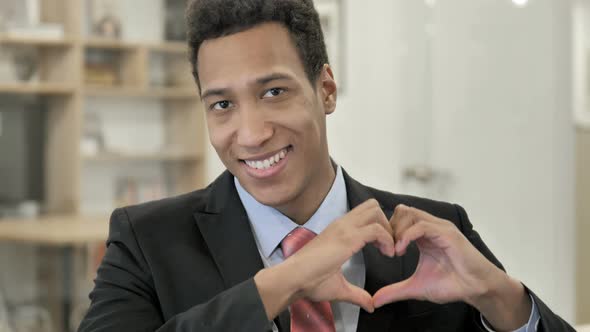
<point x="486" y="103"/>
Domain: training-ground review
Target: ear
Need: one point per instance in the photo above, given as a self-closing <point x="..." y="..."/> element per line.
<point x="328" y="89"/>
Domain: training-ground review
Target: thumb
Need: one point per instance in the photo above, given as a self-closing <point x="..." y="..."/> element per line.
<point x="356" y="295"/>
<point x="403" y="290"/>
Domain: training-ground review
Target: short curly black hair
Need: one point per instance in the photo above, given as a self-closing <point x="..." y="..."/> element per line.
<point x="210" y="19"/>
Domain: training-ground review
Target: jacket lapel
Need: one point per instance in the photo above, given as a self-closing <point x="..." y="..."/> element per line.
<point x="225" y="228"/>
<point x="380" y="270"/>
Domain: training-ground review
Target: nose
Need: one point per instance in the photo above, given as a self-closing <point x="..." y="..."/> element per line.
<point x="254" y="129"/>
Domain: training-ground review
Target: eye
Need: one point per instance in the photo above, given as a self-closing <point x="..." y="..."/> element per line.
<point x="273" y="92"/>
<point x="221" y="105"/>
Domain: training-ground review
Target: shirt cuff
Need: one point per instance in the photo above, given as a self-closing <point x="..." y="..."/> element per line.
<point x="530" y="326"/>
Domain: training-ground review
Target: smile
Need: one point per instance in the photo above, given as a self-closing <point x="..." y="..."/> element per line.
<point x="268" y="162"/>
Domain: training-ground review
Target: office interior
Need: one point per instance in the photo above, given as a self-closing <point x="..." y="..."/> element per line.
<point x="478" y="102"/>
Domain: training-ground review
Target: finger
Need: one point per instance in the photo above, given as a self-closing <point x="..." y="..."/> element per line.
<point x="374" y="233"/>
<point x="417" y="213"/>
<point x="356" y="295"/>
<point x="364" y="210"/>
<point x="372" y="213"/>
<point x="366" y="205"/>
<point x="402" y="219"/>
<point x="417" y="231"/>
<point x="400" y="291"/>
<point x="376" y="215"/>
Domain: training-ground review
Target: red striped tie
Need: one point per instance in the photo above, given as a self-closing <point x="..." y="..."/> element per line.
<point x="306" y="316"/>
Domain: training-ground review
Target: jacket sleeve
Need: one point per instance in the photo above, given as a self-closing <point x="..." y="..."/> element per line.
<point x="124" y="297"/>
<point x="549" y="320"/>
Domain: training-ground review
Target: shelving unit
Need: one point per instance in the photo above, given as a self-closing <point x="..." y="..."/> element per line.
<point x="44" y="89"/>
<point x="63" y="86"/>
<point x="152" y="74"/>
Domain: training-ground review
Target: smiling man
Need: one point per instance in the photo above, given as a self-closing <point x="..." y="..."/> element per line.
<point x="285" y="239"/>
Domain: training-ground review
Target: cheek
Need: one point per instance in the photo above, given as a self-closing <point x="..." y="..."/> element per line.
<point x="304" y="118"/>
<point x="220" y="136"/>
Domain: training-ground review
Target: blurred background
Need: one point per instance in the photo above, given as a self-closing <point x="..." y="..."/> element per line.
<point x="479" y="102"/>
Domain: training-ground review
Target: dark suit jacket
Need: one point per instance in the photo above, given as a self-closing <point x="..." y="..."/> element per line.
<point x="187" y="264"/>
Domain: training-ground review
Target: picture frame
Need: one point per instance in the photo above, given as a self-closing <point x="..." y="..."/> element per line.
<point x="331" y="14"/>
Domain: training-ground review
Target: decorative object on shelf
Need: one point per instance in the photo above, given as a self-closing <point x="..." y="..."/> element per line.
<point x="101" y="74"/>
<point x="175" y="27"/>
<point x="106" y="23"/>
<point x="330" y="12"/>
<point x="25" y="61"/>
<point x="101" y="68"/>
<point x="18" y="64"/>
<point x="92" y="140"/>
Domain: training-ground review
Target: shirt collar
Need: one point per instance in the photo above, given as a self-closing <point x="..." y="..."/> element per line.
<point x="270" y="226"/>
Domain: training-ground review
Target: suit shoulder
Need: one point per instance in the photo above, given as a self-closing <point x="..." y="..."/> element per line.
<point x="168" y="209"/>
<point x="437" y="208"/>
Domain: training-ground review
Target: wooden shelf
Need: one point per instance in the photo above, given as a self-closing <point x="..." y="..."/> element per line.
<point x="57" y="230"/>
<point x="169" y="47"/>
<point x="41" y="42"/>
<point x="117" y="44"/>
<point x="114" y="44"/>
<point x="162" y="93"/>
<point x="162" y="156"/>
<point x="37" y="88"/>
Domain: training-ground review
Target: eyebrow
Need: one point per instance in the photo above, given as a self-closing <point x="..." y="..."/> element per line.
<point x="259" y="81"/>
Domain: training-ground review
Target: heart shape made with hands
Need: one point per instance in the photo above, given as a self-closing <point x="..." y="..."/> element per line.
<point x="449" y="268"/>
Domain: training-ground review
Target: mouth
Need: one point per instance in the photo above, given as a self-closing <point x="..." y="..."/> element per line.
<point x="267" y="166"/>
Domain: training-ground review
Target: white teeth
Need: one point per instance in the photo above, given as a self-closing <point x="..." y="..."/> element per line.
<point x="267" y="163"/>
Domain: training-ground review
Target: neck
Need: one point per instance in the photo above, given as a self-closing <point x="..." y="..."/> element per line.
<point x="307" y="203"/>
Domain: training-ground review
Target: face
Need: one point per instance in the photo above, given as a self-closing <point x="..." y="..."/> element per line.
<point x="266" y="120"/>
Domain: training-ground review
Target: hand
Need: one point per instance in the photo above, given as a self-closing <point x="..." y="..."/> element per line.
<point x="451" y="269"/>
<point x="314" y="272"/>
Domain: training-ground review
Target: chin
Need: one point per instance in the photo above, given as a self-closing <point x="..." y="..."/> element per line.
<point x="273" y="195"/>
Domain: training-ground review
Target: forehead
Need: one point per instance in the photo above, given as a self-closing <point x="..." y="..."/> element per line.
<point x="240" y="57"/>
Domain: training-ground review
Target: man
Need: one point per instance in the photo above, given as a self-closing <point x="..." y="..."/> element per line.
<point x="285" y="239"/>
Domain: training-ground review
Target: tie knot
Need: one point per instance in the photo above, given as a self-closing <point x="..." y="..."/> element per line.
<point x="296" y="240"/>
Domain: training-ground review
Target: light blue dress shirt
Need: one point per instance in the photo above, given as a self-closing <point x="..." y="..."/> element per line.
<point x="270" y="227"/>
